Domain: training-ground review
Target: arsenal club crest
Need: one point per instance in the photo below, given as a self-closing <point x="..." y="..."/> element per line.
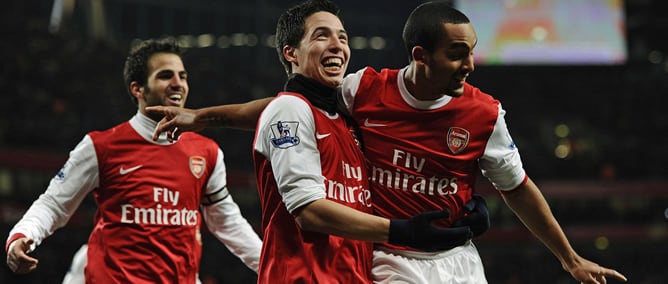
<point x="197" y="166"/>
<point x="457" y="139"/>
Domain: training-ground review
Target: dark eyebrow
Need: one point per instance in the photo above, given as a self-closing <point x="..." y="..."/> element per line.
<point x="169" y="72"/>
<point x="323" y="28"/>
<point x="462" y="45"/>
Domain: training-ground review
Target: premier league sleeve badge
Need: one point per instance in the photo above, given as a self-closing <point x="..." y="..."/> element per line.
<point x="284" y="134"/>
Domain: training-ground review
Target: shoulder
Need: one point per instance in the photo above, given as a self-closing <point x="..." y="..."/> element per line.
<point x="116" y="130"/>
<point x="102" y="139"/>
<point x="370" y="73"/>
<point x="478" y="94"/>
<point x="480" y="98"/>
<point x="367" y="79"/>
<point x="288" y="104"/>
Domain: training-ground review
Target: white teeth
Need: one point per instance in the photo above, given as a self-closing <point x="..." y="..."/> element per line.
<point x="333" y="61"/>
<point x="175" y="97"/>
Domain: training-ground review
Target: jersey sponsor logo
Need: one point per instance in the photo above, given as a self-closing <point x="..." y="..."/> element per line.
<point x="165" y="211"/>
<point x="370" y="124"/>
<point x="407" y="173"/>
<point x="399" y="179"/>
<point x="284" y="134"/>
<point x="124" y="171"/>
<point x="322" y="136"/>
<point x="457" y="139"/>
<point x="351" y="190"/>
<point x="158" y="215"/>
<point x="197" y="166"/>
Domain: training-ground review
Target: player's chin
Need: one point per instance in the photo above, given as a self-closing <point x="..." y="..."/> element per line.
<point x="333" y="81"/>
<point x="456" y="92"/>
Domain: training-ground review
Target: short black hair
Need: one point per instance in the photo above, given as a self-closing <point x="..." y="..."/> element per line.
<point x="136" y="64"/>
<point x="424" y="26"/>
<point x="290" y="26"/>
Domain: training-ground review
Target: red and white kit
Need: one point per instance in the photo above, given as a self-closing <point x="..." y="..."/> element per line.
<point x="146" y="228"/>
<point x="426" y="155"/>
<point x="296" y="145"/>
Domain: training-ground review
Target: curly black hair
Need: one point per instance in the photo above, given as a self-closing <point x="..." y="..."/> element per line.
<point x="136" y="64"/>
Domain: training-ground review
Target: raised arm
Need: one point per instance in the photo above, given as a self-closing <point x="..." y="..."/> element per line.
<point x="531" y="207"/>
<point x="178" y="120"/>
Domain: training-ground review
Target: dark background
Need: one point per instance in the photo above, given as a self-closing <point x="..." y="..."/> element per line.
<point x="609" y="193"/>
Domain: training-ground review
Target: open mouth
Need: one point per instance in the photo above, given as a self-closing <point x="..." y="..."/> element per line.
<point x="333" y="64"/>
<point x="175" y="99"/>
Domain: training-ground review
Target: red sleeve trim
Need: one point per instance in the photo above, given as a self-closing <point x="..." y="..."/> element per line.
<point x="514" y="190"/>
<point x="13" y="238"/>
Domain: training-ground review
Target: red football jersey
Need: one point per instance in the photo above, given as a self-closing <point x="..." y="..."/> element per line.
<point x="426" y="155"/>
<point x="303" y="154"/>
<point x="150" y="195"/>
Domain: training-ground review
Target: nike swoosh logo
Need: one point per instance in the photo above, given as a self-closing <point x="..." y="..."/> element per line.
<point x="321" y="136"/>
<point x="369" y="124"/>
<point x="123" y="171"/>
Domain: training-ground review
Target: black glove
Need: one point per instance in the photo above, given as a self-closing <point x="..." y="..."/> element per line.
<point x="477" y="216"/>
<point x="418" y="232"/>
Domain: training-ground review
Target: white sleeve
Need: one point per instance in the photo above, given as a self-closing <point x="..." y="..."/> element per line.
<point x="224" y="220"/>
<point x="286" y="137"/>
<point x="76" y="273"/>
<point x="349" y="87"/>
<point x="501" y="162"/>
<point x="53" y="209"/>
<point x="226" y="223"/>
<point x="218" y="179"/>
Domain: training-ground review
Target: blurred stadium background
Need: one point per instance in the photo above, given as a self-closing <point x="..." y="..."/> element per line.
<point x="592" y="134"/>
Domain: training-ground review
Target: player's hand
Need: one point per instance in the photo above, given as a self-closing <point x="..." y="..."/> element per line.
<point x="176" y="121"/>
<point x="589" y="272"/>
<point x="419" y="232"/>
<point x="17" y="257"/>
<point x="477" y="216"/>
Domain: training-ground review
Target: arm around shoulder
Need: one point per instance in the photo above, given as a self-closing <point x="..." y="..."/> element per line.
<point x="329" y="217"/>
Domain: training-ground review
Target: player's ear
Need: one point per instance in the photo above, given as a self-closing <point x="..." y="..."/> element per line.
<point x="419" y="54"/>
<point x="137" y="90"/>
<point x="289" y="54"/>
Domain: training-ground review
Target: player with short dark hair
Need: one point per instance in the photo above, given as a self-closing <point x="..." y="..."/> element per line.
<point x="311" y="174"/>
<point x="151" y="195"/>
<point x="427" y="134"/>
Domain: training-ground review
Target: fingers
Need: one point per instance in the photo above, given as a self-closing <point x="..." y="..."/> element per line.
<point x="156" y="109"/>
<point x="25" y="265"/>
<point x="158" y="128"/>
<point x="459" y="234"/>
<point x="433" y="215"/>
<point x="614" y="274"/>
<point x="17" y="259"/>
<point x="173" y="135"/>
<point x="166" y="125"/>
<point x="600" y="277"/>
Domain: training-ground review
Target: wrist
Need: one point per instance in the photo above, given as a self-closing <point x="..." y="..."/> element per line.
<point x="11" y="240"/>
<point x="400" y="232"/>
<point x="570" y="261"/>
<point x="204" y="119"/>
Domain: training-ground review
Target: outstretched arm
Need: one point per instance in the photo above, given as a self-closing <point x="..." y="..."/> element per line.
<point x="531" y="207"/>
<point x="178" y="120"/>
